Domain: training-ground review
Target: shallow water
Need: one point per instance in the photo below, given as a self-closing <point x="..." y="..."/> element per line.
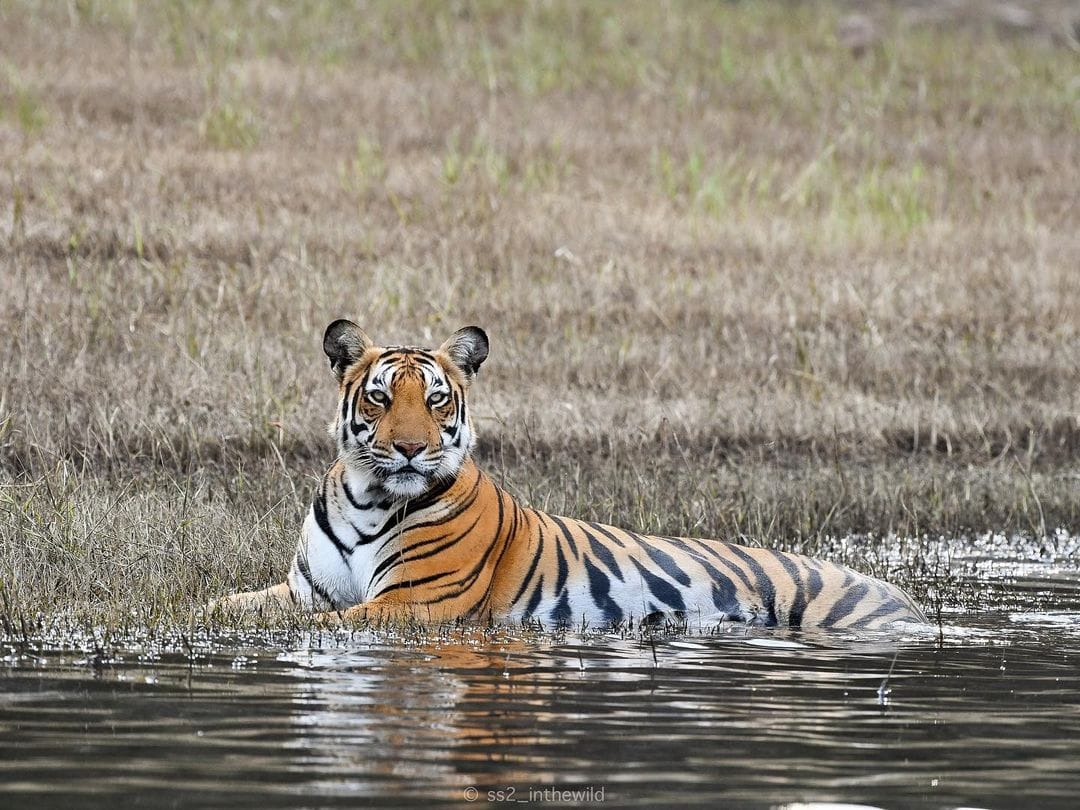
<point x="983" y="711"/>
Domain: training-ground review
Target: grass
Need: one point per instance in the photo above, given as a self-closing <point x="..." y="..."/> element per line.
<point x="742" y="280"/>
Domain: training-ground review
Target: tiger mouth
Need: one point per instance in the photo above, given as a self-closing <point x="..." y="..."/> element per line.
<point x="407" y="473"/>
<point x="408" y="482"/>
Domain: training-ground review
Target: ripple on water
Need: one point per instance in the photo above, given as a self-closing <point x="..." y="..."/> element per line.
<point x="983" y="710"/>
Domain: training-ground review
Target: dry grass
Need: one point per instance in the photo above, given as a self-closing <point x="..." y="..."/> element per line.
<point x="740" y="279"/>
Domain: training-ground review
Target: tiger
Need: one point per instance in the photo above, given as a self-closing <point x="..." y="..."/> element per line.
<point x="405" y="526"/>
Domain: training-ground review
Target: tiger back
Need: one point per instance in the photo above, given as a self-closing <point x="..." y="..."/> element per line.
<point x="405" y="525"/>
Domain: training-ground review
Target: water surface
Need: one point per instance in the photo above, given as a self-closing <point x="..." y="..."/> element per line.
<point x="983" y="710"/>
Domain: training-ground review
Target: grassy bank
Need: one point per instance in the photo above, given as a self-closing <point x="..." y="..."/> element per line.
<point x="781" y="273"/>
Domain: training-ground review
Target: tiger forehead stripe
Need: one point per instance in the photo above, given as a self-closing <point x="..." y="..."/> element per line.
<point x="408" y="354"/>
<point x="388" y="366"/>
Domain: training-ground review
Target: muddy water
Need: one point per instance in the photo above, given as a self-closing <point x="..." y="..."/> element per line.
<point x="983" y="711"/>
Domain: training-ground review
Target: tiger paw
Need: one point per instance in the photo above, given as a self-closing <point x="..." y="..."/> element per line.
<point x="333" y="619"/>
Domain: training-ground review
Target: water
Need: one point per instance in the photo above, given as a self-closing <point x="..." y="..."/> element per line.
<point x="984" y="712"/>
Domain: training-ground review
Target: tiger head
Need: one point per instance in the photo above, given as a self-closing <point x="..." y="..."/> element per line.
<point x="403" y="422"/>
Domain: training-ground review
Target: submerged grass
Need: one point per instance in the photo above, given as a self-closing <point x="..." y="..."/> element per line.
<point x="745" y="276"/>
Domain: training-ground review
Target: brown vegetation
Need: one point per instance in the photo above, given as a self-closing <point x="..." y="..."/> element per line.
<point x="741" y="278"/>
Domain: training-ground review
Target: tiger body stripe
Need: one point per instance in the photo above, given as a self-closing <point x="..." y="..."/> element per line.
<point x="405" y="525"/>
<point x="489" y="561"/>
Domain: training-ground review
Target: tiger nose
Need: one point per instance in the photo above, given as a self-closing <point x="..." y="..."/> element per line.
<point x="408" y="449"/>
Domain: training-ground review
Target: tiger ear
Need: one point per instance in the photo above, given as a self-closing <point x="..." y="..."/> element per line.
<point x="344" y="343"/>
<point x="468" y="348"/>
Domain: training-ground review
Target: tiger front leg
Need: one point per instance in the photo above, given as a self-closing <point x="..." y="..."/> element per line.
<point x="258" y="603"/>
<point x="350" y="617"/>
<point x="376" y="612"/>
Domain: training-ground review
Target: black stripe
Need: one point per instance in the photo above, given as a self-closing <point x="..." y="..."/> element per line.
<point x="725" y="594"/>
<point x="350" y="408"/>
<point x="798" y="602"/>
<point x="813" y="579"/>
<point x="476" y="610"/>
<point x="664" y="560"/>
<point x="561" y="568"/>
<point x="508" y="536"/>
<point x="763" y="584"/>
<point x="425" y="360"/>
<point x="400" y="557"/>
<point x="414" y="507"/>
<point x="600" y="588"/>
<point x="366" y="505"/>
<point x="661" y="589"/>
<point x="429" y="498"/>
<point x="467" y="581"/>
<point x="534" y="600"/>
<point x="479" y="608"/>
<point x="888" y="606"/>
<point x="846" y="604"/>
<point x="602" y="552"/>
<point x="567" y="534"/>
<point x="462" y="505"/>
<point x="318" y="508"/>
<point x="724" y="561"/>
<point x="408" y="508"/>
<point x="345" y="401"/>
<point x="412" y="582"/>
<point x="461" y="419"/>
<point x="417" y="353"/>
<point x="363" y="538"/>
<point x="452" y="431"/>
<point x="438" y="538"/>
<point x="532" y="568"/>
<point x="470" y="578"/>
<point x="904" y="599"/>
<point x="305" y="572"/>
<point x="725" y="598"/>
<point x="560" y="614"/>
<point x="606" y="531"/>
